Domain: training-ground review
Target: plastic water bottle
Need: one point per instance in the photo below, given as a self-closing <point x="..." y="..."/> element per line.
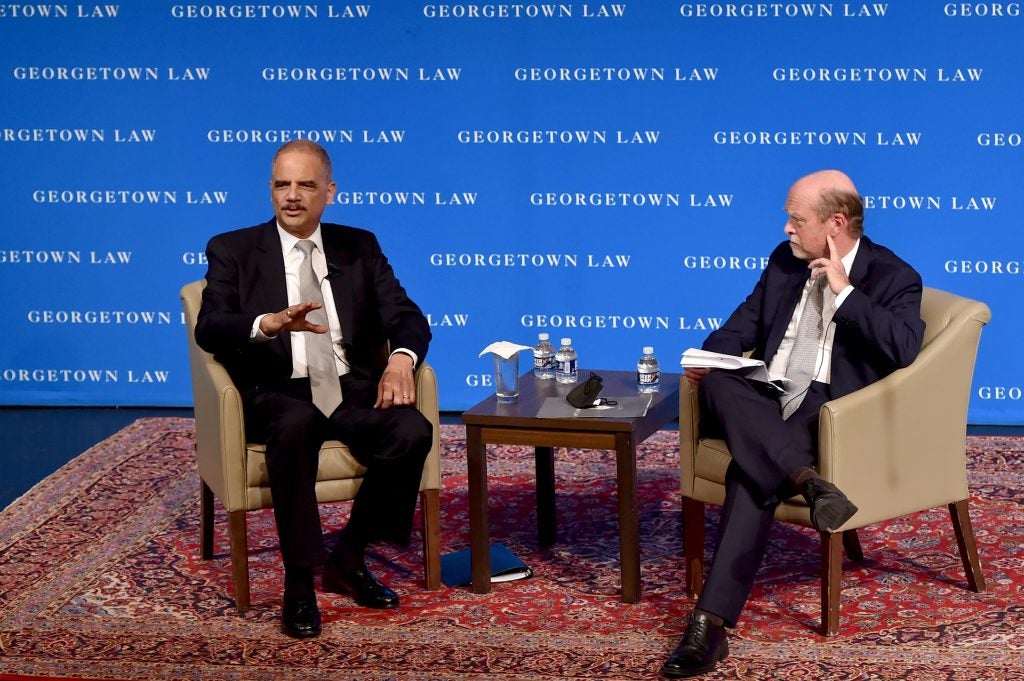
<point x="648" y="373"/>
<point x="566" y="370"/>
<point x="544" y="358"/>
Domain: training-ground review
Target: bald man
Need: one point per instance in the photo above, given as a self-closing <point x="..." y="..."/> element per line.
<point x="869" y="325"/>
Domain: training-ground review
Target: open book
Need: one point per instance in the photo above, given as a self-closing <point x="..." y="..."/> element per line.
<point x="754" y="369"/>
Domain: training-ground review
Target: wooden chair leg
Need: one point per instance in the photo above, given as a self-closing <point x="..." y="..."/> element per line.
<point x="239" y="559"/>
<point x="430" y="508"/>
<point x="205" y="521"/>
<point x="693" y="545"/>
<point x="851" y="542"/>
<point x="968" y="548"/>
<point x="831" y="581"/>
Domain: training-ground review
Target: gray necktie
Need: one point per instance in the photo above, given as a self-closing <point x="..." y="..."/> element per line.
<point x="323" y="372"/>
<point x="800" y="368"/>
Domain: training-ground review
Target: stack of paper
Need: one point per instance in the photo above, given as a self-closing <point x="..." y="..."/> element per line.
<point x="754" y="369"/>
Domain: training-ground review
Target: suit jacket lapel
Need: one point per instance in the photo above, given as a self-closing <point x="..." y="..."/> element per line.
<point x="858" y="273"/>
<point x="789" y="296"/>
<point x="859" y="270"/>
<point x="270" y="266"/>
<point x="339" y="273"/>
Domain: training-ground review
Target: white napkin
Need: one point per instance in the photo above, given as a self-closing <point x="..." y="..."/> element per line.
<point x="504" y="349"/>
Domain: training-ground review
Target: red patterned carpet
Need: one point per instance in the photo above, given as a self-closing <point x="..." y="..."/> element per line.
<point x="99" y="579"/>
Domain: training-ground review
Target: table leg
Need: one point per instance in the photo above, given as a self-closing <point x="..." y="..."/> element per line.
<point x="479" y="532"/>
<point x="629" y="518"/>
<point x="546" y="523"/>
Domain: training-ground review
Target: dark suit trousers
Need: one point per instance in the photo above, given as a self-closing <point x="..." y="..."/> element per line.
<point x="391" y="444"/>
<point x="765" y="449"/>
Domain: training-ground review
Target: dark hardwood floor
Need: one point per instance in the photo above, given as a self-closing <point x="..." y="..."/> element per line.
<point x="41" y="440"/>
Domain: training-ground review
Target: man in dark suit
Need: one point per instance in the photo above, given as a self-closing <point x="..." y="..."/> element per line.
<point x="293" y="300"/>
<point x="865" y="324"/>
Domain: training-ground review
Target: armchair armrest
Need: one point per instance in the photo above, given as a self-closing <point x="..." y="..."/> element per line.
<point x="220" y="434"/>
<point x="220" y="427"/>
<point x="427" y="404"/>
<point x="898" y="446"/>
<point x="689" y="435"/>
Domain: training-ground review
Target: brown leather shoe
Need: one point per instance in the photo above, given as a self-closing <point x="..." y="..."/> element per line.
<point x="703" y="645"/>
<point x="361" y="585"/>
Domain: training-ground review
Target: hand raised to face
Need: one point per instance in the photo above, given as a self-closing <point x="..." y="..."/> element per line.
<point x="831" y="266"/>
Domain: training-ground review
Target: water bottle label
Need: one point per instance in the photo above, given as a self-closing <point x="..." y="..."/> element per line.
<point x="647" y="378"/>
<point x="567" y="366"/>
<point x="544" y="363"/>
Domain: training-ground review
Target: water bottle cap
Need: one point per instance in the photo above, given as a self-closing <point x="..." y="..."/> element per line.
<point x="648" y="350"/>
<point x="567" y="341"/>
<point x="542" y="336"/>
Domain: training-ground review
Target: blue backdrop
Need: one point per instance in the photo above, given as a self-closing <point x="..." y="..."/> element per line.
<point x="611" y="172"/>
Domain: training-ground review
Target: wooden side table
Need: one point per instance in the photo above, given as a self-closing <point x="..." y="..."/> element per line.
<point x="491" y="422"/>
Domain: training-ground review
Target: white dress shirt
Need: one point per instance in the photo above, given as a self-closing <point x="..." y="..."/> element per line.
<point x="831" y="303"/>
<point x="292" y="262"/>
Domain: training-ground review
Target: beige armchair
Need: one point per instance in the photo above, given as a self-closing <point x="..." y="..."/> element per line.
<point x="895" y="447"/>
<point x="234" y="471"/>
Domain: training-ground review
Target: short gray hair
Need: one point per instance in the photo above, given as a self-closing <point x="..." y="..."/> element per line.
<point x="305" y="145"/>
<point x="832" y="201"/>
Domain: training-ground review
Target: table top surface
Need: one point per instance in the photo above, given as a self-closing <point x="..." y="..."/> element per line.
<point x="533" y="391"/>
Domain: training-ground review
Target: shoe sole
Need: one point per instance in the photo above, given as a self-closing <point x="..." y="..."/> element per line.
<point x="697" y="671"/>
<point x="833" y="514"/>
<point x="336" y="588"/>
<point x="294" y="634"/>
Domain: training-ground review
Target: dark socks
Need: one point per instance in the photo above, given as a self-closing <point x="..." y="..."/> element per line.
<point x="715" y="619"/>
<point x="348" y="553"/>
<point x="799" y="476"/>
<point x="298" y="582"/>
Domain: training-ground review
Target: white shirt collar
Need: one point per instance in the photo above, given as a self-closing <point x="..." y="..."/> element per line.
<point x="847" y="259"/>
<point x="289" y="240"/>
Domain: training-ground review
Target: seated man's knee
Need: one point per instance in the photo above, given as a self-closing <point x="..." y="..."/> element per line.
<point x="414" y="433"/>
<point x="715" y="381"/>
<point x="300" y="422"/>
<point x="721" y="389"/>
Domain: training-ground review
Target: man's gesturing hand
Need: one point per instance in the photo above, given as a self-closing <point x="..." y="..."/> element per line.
<point x="292" y="318"/>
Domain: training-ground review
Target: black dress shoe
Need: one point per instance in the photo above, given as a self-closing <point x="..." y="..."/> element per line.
<point x="703" y="645"/>
<point x="300" y="617"/>
<point x="361" y="585"/>
<point x="829" y="506"/>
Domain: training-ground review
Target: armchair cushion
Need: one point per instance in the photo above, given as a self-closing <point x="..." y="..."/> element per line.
<point x="336" y="463"/>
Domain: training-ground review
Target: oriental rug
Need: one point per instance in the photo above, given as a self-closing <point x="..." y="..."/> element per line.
<point x="100" y="579"/>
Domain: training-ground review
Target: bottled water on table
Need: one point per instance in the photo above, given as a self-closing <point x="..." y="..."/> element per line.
<point x="544" y="358"/>
<point x="648" y="373"/>
<point x="566" y="370"/>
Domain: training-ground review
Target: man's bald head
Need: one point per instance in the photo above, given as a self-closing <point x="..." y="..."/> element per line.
<point x="836" y="194"/>
<point x="821" y="206"/>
